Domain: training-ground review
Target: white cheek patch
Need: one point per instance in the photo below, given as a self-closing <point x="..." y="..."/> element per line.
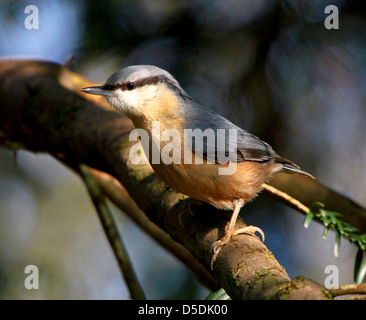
<point x="123" y="102"/>
<point x="116" y="102"/>
<point x="138" y="97"/>
<point x="132" y="102"/>
<point x="146" y="92"/>
<point x="130" y="98"/>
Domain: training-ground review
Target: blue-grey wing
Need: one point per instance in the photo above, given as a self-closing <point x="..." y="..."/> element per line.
<point x="225" y="140"/>
<point x="212" y="136"/>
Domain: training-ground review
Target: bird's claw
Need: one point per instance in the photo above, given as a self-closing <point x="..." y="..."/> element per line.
<point x="251" y="230"/>
<point x="217" y="245"/>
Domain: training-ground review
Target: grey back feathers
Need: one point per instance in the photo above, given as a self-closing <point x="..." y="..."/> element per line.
<point x="239" y="146"/>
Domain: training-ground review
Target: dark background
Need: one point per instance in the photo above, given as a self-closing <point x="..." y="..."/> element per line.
<point x="269" y="66"/>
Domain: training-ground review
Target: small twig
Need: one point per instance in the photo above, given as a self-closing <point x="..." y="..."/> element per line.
<point x="280" y="194"/>
<point x="113" y="236"/>
<point x="328" y="218"/>
<point x="354" y="288"/>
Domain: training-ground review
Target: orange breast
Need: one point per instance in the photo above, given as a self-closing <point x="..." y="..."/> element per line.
<point x="203" y="182"/>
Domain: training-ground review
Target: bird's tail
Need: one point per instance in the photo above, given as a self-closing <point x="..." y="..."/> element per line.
<point x="290" y="167"/>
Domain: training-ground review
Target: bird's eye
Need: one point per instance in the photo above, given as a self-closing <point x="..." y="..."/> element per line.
<point x="130" y="86"/>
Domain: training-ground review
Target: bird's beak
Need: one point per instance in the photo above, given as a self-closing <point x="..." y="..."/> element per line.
<point x="98" y="90"/>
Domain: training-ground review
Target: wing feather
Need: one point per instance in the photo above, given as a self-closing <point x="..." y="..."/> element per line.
<point x="229" y="140"/>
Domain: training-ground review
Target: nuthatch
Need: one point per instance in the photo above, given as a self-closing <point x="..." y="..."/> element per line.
<point x="147" y="94"/>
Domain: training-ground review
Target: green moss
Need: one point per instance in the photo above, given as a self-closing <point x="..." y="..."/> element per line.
<point x="140" y="171"/>
<point x="327" y="295"/>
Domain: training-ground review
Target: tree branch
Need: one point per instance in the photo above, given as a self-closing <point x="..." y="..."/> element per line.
<point x="40" y="112"/>
<point x="112" y="233"/>
<point x="349" y="289"/>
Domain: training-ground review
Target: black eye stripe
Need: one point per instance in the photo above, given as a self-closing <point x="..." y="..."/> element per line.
<point x="149" y="81"/>
<point x="131" y="85"/>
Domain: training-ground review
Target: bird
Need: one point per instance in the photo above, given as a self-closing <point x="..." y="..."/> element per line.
<point x="149" y="95"/>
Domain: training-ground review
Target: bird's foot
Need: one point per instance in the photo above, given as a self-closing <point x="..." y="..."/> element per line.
<point x="218" y="245"/>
